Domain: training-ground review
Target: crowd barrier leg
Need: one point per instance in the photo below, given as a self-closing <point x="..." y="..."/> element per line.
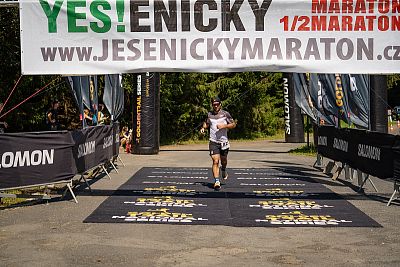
<point x="105" y="170"/>
<point x="112" y="164"/>
<point x="364" y="178"/>
<point x="69" y="188"/>
<point x="348" y="172"/>
<point x="318" y="162"/>
<point x="395" y="191"/>
<point x="86" y="182"/>
<point x="338" y="172"/>
<point x="121" y="160"/>
<point x="329" y="167"/>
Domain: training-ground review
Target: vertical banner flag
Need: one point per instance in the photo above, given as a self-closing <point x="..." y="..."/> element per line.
<point x="89" y="95"/>
<point x="318" y="97"/>
<point x="85" y="91"/>
<point x="302" y="95"/>
<point x="336" y="104"/>
<point x="86" y="37"/>
<point x="94" y="102"/>
<point x="357" y="88"/>
<point x="76" y="87"/>
<point x="113" y="96"/>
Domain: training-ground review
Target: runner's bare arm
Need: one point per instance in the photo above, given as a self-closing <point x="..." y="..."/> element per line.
<point x="205" y="126"/>
<point x="227" y="126"/>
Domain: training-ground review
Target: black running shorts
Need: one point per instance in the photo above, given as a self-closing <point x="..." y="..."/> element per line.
<point x="215" y="148"/>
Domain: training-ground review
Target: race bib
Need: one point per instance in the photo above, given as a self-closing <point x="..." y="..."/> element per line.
<point x="225" y="145"/>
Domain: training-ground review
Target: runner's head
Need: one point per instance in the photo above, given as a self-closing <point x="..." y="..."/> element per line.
<point x="216" y="104"/>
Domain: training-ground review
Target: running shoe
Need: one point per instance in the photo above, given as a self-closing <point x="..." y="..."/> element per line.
<point x="217" y="185"/>
<point x="224" y="174"/>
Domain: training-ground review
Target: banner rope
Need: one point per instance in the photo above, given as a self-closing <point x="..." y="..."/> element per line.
<point x="31" y="96"/>
<point x="12" y="91"/>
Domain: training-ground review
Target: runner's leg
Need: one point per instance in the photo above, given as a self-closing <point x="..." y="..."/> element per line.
<point x="224" y="162"/>
<point x="215" y="156"/>
<point x="215" y="167"/>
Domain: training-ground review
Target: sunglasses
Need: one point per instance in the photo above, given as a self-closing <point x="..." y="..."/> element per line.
<point x="216" y="104"/>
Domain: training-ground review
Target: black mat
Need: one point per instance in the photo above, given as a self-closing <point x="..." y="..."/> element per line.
<point x="250" y="197"/>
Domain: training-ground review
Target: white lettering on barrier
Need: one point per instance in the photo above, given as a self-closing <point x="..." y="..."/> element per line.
<point x="108" y="141"/>
<point x="86" y="149"/>
<point x="322" y="140"/>
<point x="27" y="158"/>
<point x="369" y="152"/>
<point x="340" y="144"/>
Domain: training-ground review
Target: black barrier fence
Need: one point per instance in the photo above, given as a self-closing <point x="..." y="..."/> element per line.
<point x="28" y="159"/>
<point x="374" y="153"/>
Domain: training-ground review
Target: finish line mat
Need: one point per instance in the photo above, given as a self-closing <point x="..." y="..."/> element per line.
<point x="267" y="197"/>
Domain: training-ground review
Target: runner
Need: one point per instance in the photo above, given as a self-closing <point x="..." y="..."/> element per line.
<point x="219" y="121"/>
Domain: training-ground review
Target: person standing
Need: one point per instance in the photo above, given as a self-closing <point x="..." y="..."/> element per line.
<point x="219" y="121"/>
<point x="52" y="117"/>
<point x="101" y="117"/>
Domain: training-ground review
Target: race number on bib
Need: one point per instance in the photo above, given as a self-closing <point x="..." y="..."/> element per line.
<point x="225" y="145"/>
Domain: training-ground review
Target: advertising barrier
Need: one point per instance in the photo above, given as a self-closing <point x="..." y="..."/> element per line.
<point x="28" y="159"/>
<point x="35" y="158"/>
<point x="370" y="152"/>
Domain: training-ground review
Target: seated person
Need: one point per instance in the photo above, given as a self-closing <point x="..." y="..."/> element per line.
<point x="124" y="136"/>
<point x="128" y="148"/>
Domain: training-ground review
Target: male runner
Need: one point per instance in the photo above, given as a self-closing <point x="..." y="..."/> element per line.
<point x="219" y="121"/>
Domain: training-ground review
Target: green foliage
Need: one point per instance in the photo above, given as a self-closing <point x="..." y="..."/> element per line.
<point x="254" y="100"/>
<point x="393" y="90"/>
<point x="29" y="116"/>
<point x="305" y="150"/>
<point x="9" y="201"/>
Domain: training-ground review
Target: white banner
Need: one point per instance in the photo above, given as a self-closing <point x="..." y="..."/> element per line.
<point x="122" y="36"/>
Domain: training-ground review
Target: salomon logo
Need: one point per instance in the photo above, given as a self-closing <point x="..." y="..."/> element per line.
<point x="26" y="158"/>
<point x="287" y="107"/>
<point x="322" y="141"/>
<point x="108" y="141"/>
<point x="340" y="144"/>
<point x="369" y="152"/>
<point x="86" y="149"/>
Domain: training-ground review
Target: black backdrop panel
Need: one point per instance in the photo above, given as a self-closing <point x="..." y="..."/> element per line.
<point x="93" y="146"/>
<point x="370" y="152"/>
<point x="28" y="159"/>
<point x="35" y="158"/>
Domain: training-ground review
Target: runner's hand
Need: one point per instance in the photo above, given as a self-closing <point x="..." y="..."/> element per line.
<point x="202" y="130"/>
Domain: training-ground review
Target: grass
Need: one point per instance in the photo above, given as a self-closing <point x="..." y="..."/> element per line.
<point x="34" y="194"/>
<point x="305" y="150"/>
<point x="9" y="201"/>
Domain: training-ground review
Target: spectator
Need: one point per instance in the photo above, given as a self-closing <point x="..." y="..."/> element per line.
<point x="88" y="119"/>
<point x="52" y="117"/>
<point x="128" y="147"/>
<point x="124" y="136"/>
<point x="102" y="118"/>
